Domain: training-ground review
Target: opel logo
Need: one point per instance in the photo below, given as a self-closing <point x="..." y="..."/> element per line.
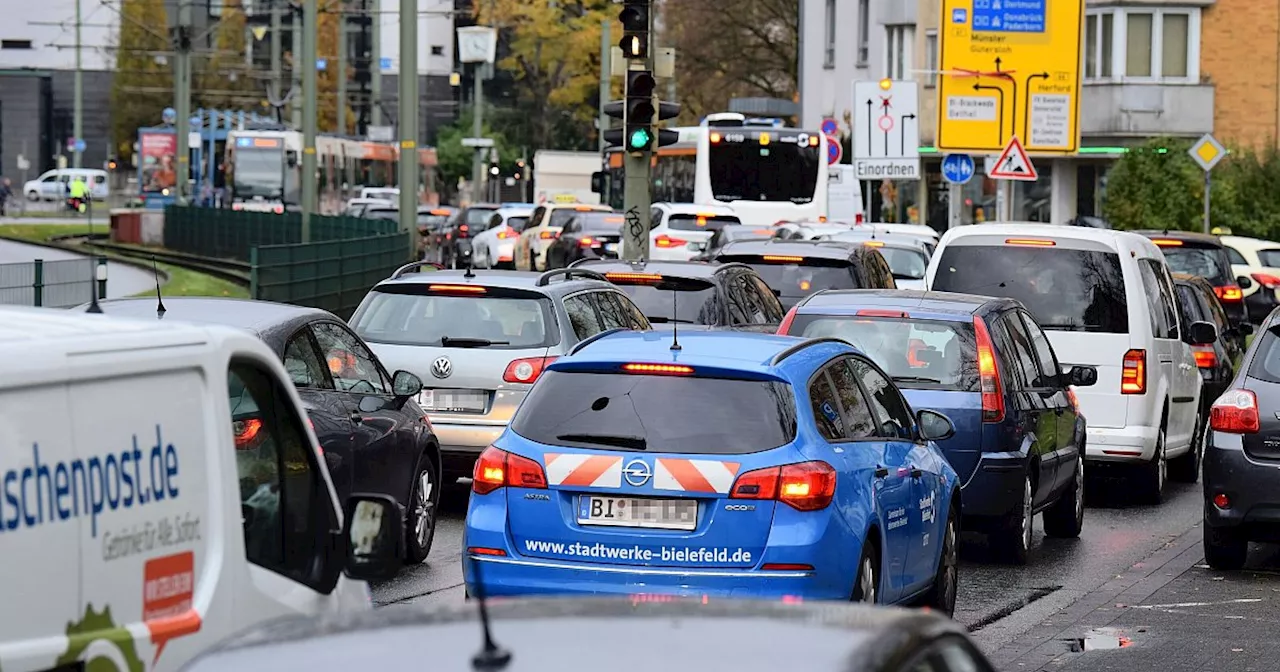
<point x="442" y="367"/>
<point x="637" y="473"/>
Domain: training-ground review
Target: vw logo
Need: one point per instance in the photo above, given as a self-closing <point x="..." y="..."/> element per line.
<point x="442" y="367"/>
<point x="637" y="473"/>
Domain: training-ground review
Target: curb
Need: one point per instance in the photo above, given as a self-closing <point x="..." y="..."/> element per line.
<point x="75" y="250"/>
<point x="1043" y="644"/>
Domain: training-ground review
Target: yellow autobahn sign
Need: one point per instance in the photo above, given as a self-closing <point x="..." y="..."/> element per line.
<point x="1010" y="68"/>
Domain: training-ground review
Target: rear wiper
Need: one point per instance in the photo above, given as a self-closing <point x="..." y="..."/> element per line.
<point x="448" y="342"/>
<point x="628" y="442"/>
<point x="1070" y="326"/>
<point x="668" y="320"/>
<point x="916" y="379"/>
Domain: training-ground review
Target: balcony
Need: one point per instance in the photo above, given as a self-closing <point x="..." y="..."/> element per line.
<point x="1122" y="110"/>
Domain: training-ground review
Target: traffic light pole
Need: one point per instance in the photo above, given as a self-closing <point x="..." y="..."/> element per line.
<point x="637" y="196"/>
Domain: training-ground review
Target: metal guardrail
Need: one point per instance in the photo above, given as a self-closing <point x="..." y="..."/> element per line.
<point x="61" y="283"/>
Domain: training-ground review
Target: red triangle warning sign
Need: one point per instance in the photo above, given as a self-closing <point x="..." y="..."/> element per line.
<point x="1014" y="164"/>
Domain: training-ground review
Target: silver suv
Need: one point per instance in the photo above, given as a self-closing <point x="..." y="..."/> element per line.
<point x="479" y="340"/>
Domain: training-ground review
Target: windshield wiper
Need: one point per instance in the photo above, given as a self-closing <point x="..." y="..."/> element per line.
<point x="628" y="442"/>
<point x="916" y="379"/>
<point x="1070" y="326"/>
<point x="449" y="342"/>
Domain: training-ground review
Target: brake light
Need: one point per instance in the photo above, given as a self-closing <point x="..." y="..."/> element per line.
<point x="1266" y="280"/>
<point x="869" y="312"/>
<point x="1133" y="375"/>
<point x="496" y="468"/>
<point x="667" y="241"/>
<point x="659" y="369"/>
<point x="782" y="258"/>
<point x="464" y="228"/>
<point x="873" y="243"/>
<point x="246" y="431"/>
<point x="1073" y="399"/>
<point x="715" y="137"/>
<point x="785" y="326"/>
<point x="628" y="278"/>
<point x="1229" y="293"/>
<point x="587" y="242"/>
<point x="1206" y="358"/>
<point x="456" y="289"/>
<point x="807" y="486"/>
<point x="1037" y="242"/>
<point x="1235" y="412"/>
<point x="505" y="233"/>
<point x="526" y="370"/>
<point x="548" y="235"/>
<point x="1167" y="242"/>
<point x="988" y="374"/>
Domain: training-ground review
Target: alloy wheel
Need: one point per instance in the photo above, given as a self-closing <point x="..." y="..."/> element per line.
<point x="423" y="508"/>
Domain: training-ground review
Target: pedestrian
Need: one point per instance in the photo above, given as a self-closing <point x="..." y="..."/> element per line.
<point x="6" y="192"/>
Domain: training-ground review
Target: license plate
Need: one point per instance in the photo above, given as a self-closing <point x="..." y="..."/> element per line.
<point x="611" y="247"/>
<point x="665" y="514"/>
<point x="454" y="401"/>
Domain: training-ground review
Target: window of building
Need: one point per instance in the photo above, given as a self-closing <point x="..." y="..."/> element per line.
<point x="437" y="50"/>
<point x="899" y="44"/>
<point x="829" y="60"/>
<point x="931" y="57"/>
<point x="1143" y="44"/>
<point x="864" y="33"/>
<point x="15" y="44"/>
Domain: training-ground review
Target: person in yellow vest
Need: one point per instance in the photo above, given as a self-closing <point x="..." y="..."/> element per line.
<point x="79" y="193"/>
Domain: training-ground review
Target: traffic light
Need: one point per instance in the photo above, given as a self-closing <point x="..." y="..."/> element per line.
<point x="635" y="29"/>
<point x="640" y="111"/>
<point x="667" y="111"/>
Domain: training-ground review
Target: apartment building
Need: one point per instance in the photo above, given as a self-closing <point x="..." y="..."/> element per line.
<point x="1150" y="68"/>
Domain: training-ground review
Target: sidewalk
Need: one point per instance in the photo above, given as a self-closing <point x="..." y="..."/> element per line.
<point x="1170" y="613"/>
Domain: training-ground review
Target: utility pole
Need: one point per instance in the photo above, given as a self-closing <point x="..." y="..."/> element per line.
<point x="277" y="50"/>
<point x="477" y="127"/>
<point x="308" y="65"/>
<point x="606" y="71"/>
<point x="408" y="121"/>
<point x="299" y="39"/>
<point x="375" y="66"/>
<point x="341" y="116"/>
<point x="180" y="18"/>
<point x="77" y="122"/>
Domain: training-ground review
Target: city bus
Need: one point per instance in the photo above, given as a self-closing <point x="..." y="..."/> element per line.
<point x="264" y="170"/>
<point x="765" y="172"/>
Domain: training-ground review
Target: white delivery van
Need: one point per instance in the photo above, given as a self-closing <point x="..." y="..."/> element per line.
<point x="160" y="489"/>
<point x="53" y="184"/>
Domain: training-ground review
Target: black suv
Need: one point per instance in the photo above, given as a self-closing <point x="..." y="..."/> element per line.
<point x="1197" y="302"/>
<point x="795" y="269"/>
<point x="1204" y="255"/>
<point x="695" y="293"/>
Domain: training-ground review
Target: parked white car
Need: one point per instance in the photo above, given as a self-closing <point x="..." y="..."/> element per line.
<point x="495" y="246"/>
<point x="1104" y="299"/>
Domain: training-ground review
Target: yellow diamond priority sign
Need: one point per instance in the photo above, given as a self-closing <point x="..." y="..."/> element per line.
<point x="259" y="32"/>
<point x="1208" y="152"/>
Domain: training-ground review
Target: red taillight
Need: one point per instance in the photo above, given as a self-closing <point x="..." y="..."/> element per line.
<point x="505" y="234"/>
<point x="1266" y="280"/>
<point x="1229" y="293"/>
<point x="497" y="468"/>
<point x="807" y="486"/>
<point x="480" y="550"/>
<point x="667" y="241"/>
<point x="462" y="231"/>
<point x="526" y="370"/>
<point x="548" y="235"/>
<point x="1235" y="412"/>
<point x="1206" y="358"/>
<point x="246" y="431"/>
<point x="785" y="327"/>
<point x="1133" y="374"/>
<point x="587" y="242"/>
<point x="659" y="369"/>
<point x="456" y="289"/>
<point x="988" y="374"/>
<point x="1073" y="399"/>
<point x="868" y="312"/>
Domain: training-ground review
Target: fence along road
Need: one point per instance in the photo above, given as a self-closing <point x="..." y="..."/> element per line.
<point x="66" y="276"/>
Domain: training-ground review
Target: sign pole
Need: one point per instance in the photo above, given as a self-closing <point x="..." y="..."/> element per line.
<point x="955" y="205"/>
<point x="1207" y="152"/>
<point x="1208" y="188"/>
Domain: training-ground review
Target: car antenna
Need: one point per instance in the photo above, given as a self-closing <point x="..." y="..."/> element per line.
<point x="491" y="657"/>
<point x="469" y="273"/>
<point x="160" y="311"/>
<point x="675" y="322"/>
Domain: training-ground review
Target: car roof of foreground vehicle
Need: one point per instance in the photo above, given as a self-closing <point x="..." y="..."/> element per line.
<point x="944" y="305"/>
<point x="695" y="209"/>
<point x="559" y="282"/>
<point x="23" y="326"/>
<point x="813" y="249"/>
<point x="1203" y="239"/>
<point x="742" y="635"/>
<point x="264" y="318"/>
<point x="700" y="270"/>
<point x="1080" y="235"/>
<point x="744" y="353"/>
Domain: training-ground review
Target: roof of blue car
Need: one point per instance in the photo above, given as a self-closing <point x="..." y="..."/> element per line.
<point x="742" y="351"/>
<point x="849" y="301"/>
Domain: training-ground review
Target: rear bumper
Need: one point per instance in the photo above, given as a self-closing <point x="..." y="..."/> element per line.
<point x="1133" y="444"/>
<point x="994" y="489"/>
<point x="1252" y="485"/>
<point x="460" y="445"/>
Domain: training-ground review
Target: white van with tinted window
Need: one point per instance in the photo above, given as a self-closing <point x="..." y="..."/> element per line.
<point x="54" y="185"/>
<point x="1105" y="299"/>
<point x="160" y="489"/>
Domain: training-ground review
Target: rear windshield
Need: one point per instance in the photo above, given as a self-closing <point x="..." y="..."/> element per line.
<point x="799" y="279"/>
<point x="1210" y="263"/>
<point x="600" y="221"/>
<point x="1066" y="290"/>
<point x="686" y="300"/>
<point x="478" y="217"/>
<point x="657" y="414"/>
<point x="701" y="223"/>
<point x="562" y="215"/>
<point x="408" y="316"/>
<point x="517" y="223"/>
<point x="382" y="213"/>
<point x="906" y="263"/>
<point x="1269" y="258"/>
<point x="432" y="221"/>
<point x="922" y="354"/>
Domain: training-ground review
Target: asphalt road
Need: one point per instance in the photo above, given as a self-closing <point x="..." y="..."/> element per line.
<point x="1116" y="536"/>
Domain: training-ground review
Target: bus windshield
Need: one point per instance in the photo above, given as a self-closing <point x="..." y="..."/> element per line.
<point x="258" y="172"/>
<point x="751" y="171"/>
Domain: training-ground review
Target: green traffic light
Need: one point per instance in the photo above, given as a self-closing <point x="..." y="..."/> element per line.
<point x="641" y="138"/>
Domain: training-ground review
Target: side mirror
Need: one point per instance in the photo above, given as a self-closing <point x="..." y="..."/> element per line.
<point x="1203" y="333"/>
<point x="1244" y="329"/>
<point x="597" y="182"/>
<point x="374" y="532"/>
<point x="405" y="384"/>
<point x="934" y="426"/>
<point x="1244" y="281"/>
<point x="1083" y="376"/>
<point x="776" y="292"/>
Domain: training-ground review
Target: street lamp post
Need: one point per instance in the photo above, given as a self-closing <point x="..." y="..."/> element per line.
<point x="477" y="45"/>
<point x="179" y="17"/>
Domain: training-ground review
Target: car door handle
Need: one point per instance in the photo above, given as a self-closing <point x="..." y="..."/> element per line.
<point x="1166" y="359"/>
<point x="882" y="472"/>
<point x="356" y="418"/>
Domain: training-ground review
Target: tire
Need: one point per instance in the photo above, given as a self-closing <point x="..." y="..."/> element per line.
<point x="868" y="577"/>
<point x="1065" y="518"/>
<point x="1224" y="548"/>
<point x="942" y="595"/>
<point x="33" y="196"/>
<point x="420" y="519"/>
<point x="1152" y="476"/>
<point x="1012" y="540"/>
<point x="1186" y="468"/>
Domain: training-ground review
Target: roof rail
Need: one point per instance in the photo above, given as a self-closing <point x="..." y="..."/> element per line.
<point x="778" y="358"/>
<point x="592" y="339"/>
<point x="568" y="273"/>
<point x="413" y="267"/>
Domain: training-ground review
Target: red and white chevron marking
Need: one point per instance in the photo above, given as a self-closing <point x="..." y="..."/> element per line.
<point x="711" y="476"/>
<point x="584" y="471"/>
